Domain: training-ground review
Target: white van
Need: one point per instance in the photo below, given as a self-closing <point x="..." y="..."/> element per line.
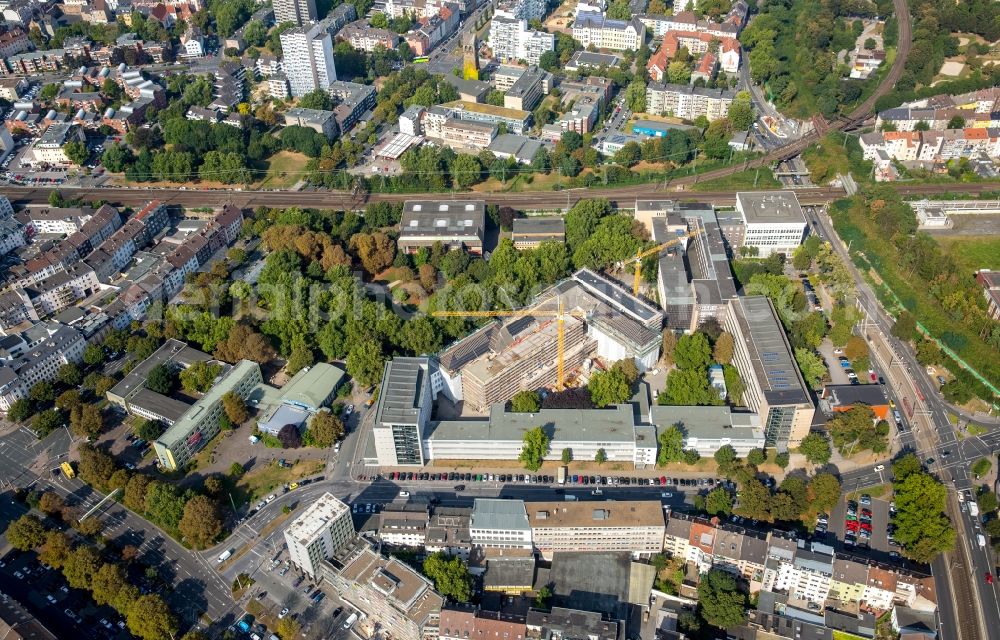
<point x="981" y="540"/>
<point x="225" y="555"/>
<point x="350" y="621"/>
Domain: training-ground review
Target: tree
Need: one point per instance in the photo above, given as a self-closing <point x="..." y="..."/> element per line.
<point x="823" y="492"/>
<point x="691" y="456"/>
<point x="107" y="583"/>
<point x="534" y="449"/>
<point x="135" y="492"/>
<point x="289" y="437"/>
<point x="679" y="72"/>
<point x="69" y="374"/>
<point x="956" y="392"/>
<point x="756" y="457"/>
<point x="86" y="420"/>
<point x="956" y="122"/>
<point x="81" y="566"/>
<point x="42" y="392"/>
<point x="741" y="113"/>
<point x="987" y="500"/>
<point x="288" y="628"/>
<point x="755" y="500"/>
<point x="725" y="456"/>
<point x="235" y="408"/>
<point x="20" y="410"/>
<point x="905" y="327"/>
<point x="236" y="470"/>
<point x="198" y="378"/>
<point x="55" y="550"/>
<point x="450" y="575"/>
<point x="244" y="343"/>
<point x="200" y="524"/>
<point x="26" y="533"/>
<point x="76" y="151"/>
<point x="816" y="448"/>
<point x="149" y="430"/>
<point x="46" y="422"/>
<point x="150" y="618"/>
<point x="922" y="528"/>
<point x="722" y="603"/>
<point x="162" y="379"/>
<point x="525" y="402"/>
<point x="567" y="455"/>
<point x="375" y="251"/>
<point x="629" y="155"/>
<point x="164" y="506"/>
<point x="782" y="459"/>
<point x="722" y="352"/>
<point x="608" y="387"/>
<point x="69" y="400"/>
<point x="689" y="387"/>
<point x="601" y="456"/>
<point x="364" y="362"/>
<point x="671" y="441"/>
<point x="692" y="351"/>
<point x="718" y="502"/>
<point x="51" y="503"/>
<point x="812" y="366"/>
<point x="635" y="96"/>
<point x="325" y="428"/>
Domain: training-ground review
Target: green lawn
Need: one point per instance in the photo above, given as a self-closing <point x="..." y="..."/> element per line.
<point x="972" y="252"/>
<point x="284" y="169"/>
<point x="749" y="179"/>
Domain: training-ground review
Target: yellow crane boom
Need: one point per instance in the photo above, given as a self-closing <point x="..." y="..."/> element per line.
<point x="560" y="316"/>
<point x="648" y="252"/>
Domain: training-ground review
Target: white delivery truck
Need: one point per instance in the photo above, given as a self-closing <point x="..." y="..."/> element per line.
<point x="981" y="540"/>
<point x="225" y="555"/>
<point x="973" y="509"/>
<point x="350" y="621"/>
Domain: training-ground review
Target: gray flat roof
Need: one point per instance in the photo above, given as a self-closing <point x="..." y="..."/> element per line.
<point x="400" y="395"/>
<point x="562" y="425"/>
<point x="497" y="513"/>
<point x="593" y="59"/>
<point x="707" y="421"/>
<point x="437" y="217"/>
<point x="770" y="353"/>
<point x="170" y="351"/>
<point x="770" y="207"/>
<point x="555" y="227"/>
<point x="616" y="295"/>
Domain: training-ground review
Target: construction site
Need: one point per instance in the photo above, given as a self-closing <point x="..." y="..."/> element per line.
<point x="584" y="322"/>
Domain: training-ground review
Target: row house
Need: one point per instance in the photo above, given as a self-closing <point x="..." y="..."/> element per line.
<point x="62" y="289"/>
<point x="932" y="146"/>
<point x="13" y="42"/>
<point x="34" y="63"/>
<point x="366" y="38"/>
<point x="659" y="25"/>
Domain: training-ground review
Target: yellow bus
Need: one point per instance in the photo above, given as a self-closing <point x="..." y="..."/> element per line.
<point x="67" y="469"/>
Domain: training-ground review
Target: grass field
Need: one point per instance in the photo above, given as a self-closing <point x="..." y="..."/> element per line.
<point x="749" y="179"/>
<point x="972" y="252"/>
<point x="284" y="169"/>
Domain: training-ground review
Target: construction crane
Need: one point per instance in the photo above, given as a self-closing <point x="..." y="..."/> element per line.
<point x="651" y="251"/>
<point x="559" y="315"/>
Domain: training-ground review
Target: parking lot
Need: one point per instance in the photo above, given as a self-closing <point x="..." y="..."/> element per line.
<point x="878" y="542"/>
<point x="69" y="613"/>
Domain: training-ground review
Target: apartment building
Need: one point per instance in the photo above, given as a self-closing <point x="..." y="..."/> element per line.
<point x="604" y="33"/>
<point x="324" y="528"/>
<point x="386" y="590"/>
<point x="458" y="224"/>
<point x="297" y="11"/>
<point x="353" y="101"/>
<point x="308" y="59"/>
<point x="527" y="90"/>
<point x="688" y="21"/>
<point x="55" y="345"/>
<point x="465" y="134"/>
<point x="633" y="526"/>
<point x="978" y="109"/>
<point x="199" y="424"/>
<point x="403" y="525"/>
<point x="466" y="623"/>
<point x="511" y="40"/>
<point x="367" y="38"/>
<point x="522" y="9"/>
<point x="688" y="102"/>
<point x="48" y="148"/>
<point x="774" y="386"/>
<point x="698" y="44"/>
<point x="515" y="120"/>
<point x="500" y="524"/>
<point x="773" y="222"/>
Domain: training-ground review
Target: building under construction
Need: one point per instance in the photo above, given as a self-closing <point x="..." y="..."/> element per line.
<point x="508" y="355"/>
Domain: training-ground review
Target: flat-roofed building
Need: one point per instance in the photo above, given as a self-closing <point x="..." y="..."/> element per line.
<point x="516" y="120"/>
<point x="498" y="523"/>
<point x="466" y="134"/>
<point x="844" y="397"/>
<point x="522" y="148"/>
<point x="528" y="233"/>
<point x="323" y="529"/>
<point x="319" y="120"/>
<point x="560" y="623"/>
<point x="634" y="526"/>
<point x="773" y="221"/>
<point x="527" y="90"/>
<point x="200" y="423"/>
<point x="386" y="590"/>
<point x="774" y="386"/>
<point x="707" y="429"/>
<point x="592" y="60"/>
<point x="403" y="409"/>
<point x="458" y="224"/>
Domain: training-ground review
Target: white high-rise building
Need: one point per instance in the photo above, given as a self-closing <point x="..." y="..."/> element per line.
<point x="308" y="63"/>
<point x="322" y="530"/>
<point x="297" y="11"/>
<point x="510" y="39"/>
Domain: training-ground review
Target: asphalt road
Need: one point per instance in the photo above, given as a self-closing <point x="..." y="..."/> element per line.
<point x="968" y="607"/>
